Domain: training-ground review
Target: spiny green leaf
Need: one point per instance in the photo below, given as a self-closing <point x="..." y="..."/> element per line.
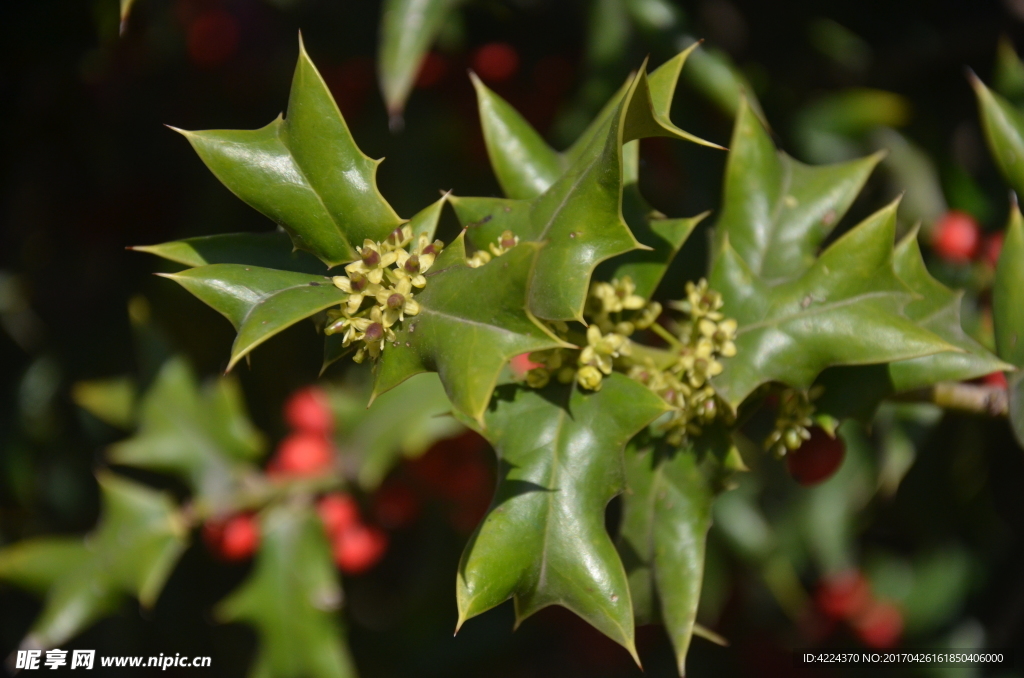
<point x="407" y="29"/>
<point x="404" y="422"/>
<point x="1004" y="131"/>
<point x="714" y="75"/>
<point x="292" y="598"/>
<point x="665" y="520"/>
<point x="201" y="436"/>
<point x="526" y="166"/>
<point x="1008" y="74"/>
<point x="268" y="250"/>
<point x="846" y="309"/>
<point x="543" y="541"/>
<point x="132" y="551"/>
<point x="856" y="391"/>
<point x="472" y="321"/>
<point x="776" y="211"/>
<point x="305" y="172"/>
<point x="1008" y="314"/>
<point x="259" y="302"/>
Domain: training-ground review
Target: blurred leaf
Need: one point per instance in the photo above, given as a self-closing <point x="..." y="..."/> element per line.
<point x="713" y="74"/>
<point x="1004" y="131"/>
<point x="910" y="171"/>
<point x="830" y="128"/>
<point x="1008" y="76"/>
<point x="112" y="401"/>
<point x="201" y="436"/>
<point x="544" y="541"/>
<point x="259" y="302"/>
<point x="847" y="308"/>
<point x="132" y="551"/>
<point x="267" y="250"/>
<point x="840" y="44"/>
<point x="776" y="212"/>
<point x="466" y="339"/>
<point x="1008" y="314"/>
<point x="608" y="33"/>
<point x="292" y="598"/>
<point x="404" y="422"/>
<point x="304" y="172"/>
<point x="654" y="15"/>
<point x="665" y="521"/>
<point x="407" y="30"/>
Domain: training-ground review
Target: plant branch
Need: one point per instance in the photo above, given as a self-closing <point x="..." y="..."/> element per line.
<point x="953" y="395"/>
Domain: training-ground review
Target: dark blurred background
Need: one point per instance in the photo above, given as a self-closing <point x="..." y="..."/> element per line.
<point x="89" y="168"/>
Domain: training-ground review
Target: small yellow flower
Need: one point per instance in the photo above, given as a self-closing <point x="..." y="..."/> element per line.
<point x="358" y="287"/>
<point x="479" y="258"/>
<point x="397" y="302"/>
<point x="601" y="349"/>
<point x="647" y="316"/>
<point x="400" y="237"/>
<point x="589" y="377"/>
<point x="372" y="261"/>
<point x="700" y="301"/>
<point x="722" y="335"/>
<point x="506" y="241"/>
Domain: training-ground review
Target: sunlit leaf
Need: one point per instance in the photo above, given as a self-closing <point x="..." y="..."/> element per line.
<point x="1008" y="314"/>
<point x="304" y="172"/>
<point x="543" y="541"/>
<point x="1004" y="131"/>
<point x="267" y="250"/>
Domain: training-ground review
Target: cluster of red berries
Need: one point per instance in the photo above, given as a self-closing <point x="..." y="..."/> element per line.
<point x="957" y="237"/>
<point x="847" y="597"/>
<point x="306" y="451"/>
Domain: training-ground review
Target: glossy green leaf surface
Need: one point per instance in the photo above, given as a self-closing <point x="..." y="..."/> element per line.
<point x="665" y="520"/>
<point x="304" y="172"/>
<point x="543" y="541"/>
<point x="407" y="30"/>
<point x="846" y="309"/>
<point x="776" y="211"/>
<point x="267" y="250"/>
<point x="467" y="338"/>
<point x="132" y="551"/>
<point x="1004" y="131"/>
<point x="1008" y="315"/>
<point x="402" y="423"/>
<point x="292" y="598"/>
<point x="203" y="436"/>
<point x="259" y="302"/>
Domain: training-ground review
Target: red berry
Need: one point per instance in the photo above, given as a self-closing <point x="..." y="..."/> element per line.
<point x="879" y="625"/>
<point x="396" y="505"/>
<point x="956" y="236"/>
<point x="309" y="410"/>
<point x="496" y="61"/>
<point x="993" y="247"/>
<point x="358" y="548"/>
<point x="817" y="459"/>
<point x="212" y="38"/>
<point x="521" y="364"/>
<point x="302" y="454"/>
<point x="843" y="595"/>
<point x="996" y="379"/>
<point x="338" y="512"/>
<point x="432" y="70"/>
<point x="234" y="538"/>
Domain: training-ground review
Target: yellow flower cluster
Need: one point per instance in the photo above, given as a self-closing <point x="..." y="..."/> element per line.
<point x="386" y="273"/>
<point x="792" y="421"/>
<point x="506" y="241"/>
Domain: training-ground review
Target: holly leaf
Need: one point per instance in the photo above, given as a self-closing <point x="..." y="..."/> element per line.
<point x="203" y="436"/>
<point x="1008" y="316"/>
<point x="267" y="250"/>
<point x="404" y="422"/>
<point x="304" y="172"/>
<point x="776" y="211"/>
<point x="526" y="166"/>
<point x="407" y="30"/>
<point x="846" y="309"/>
<point x="1004" y="131"/>
<point x="543" y="541"/>
<point x="132" y="551"/>
<point x="112" y="400"/>
<point x="857" y="391"/>
<point x="259" y="302"/>
<point x="666" y="514"/>
<point x="467" y="338"/>
<point x="292" y="598"/>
